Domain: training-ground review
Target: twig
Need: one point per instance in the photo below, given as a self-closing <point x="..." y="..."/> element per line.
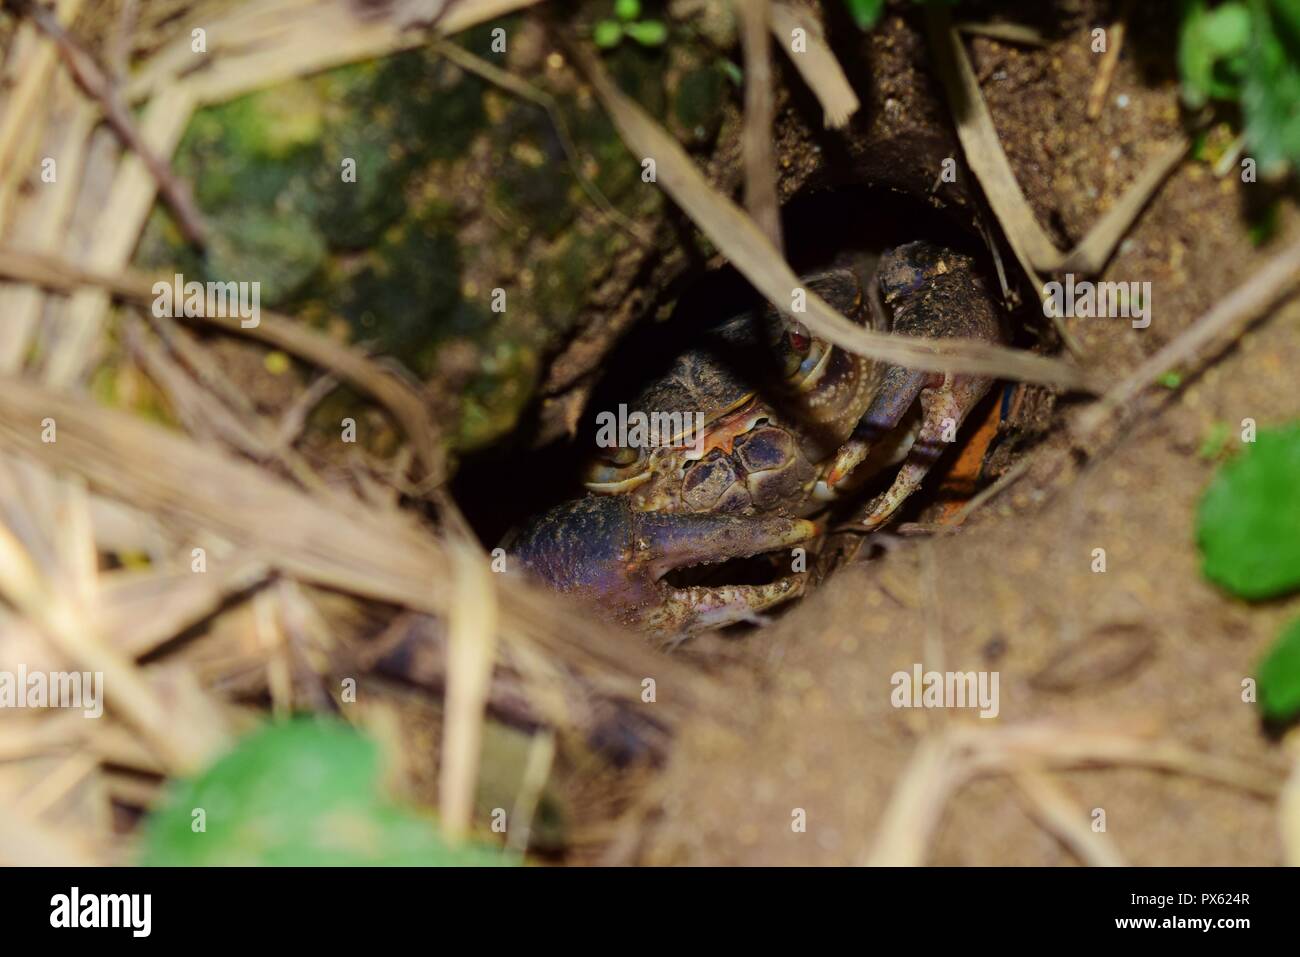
<point x="66" y="620"/>
<point x="1054" y="810"/>
<point x="816" y="63"/>
<point x="472" y="623"/>
<point x="736" y="235"/>
<point x="988" y="161"/>
<point x="403" y="401"/>
<point x="274" y="41"/>
<point x="996" y="488"/>
<point x="1006" y="32"/>
<point x="19" y="128"/>
<point x="1235" y="310"/>
<point x="756" y="136"/>
<point x="295" y="418"/>
<point x="1094" y="250"/>
<point x="88" y="75"/>
<point x="1109" y="61"/>
<point x="537" y="771"/>
<point x="945" y="762"/>
<point x="983" y="147"/>
<point x="206" y="401"/>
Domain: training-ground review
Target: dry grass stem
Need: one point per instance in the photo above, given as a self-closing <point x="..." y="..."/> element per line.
<point x="408" y="405"/>
<point x="1223" y="322"/>
<point x="988" y="161"/>
<point x="1057" y="813"/>
<point x="815" y="62"/>
<point x="1109" y="61"/>
<point x="733" y="232"/>
<point x="943" y="763"/>
<point x="756" y="137"/>
<point x="472" y="623"/>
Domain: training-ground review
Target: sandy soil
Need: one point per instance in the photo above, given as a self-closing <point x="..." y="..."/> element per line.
<point x="1147" y="644"/>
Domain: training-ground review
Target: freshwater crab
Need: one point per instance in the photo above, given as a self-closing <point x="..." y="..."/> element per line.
<point x="788" y="424"/>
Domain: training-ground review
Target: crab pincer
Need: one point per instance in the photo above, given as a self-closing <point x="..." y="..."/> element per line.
<point x="933" y="292"/>
<point x="600" y="549"/>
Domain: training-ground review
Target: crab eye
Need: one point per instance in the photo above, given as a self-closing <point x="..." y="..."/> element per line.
<point x="803" y="356"/>
<point x="617" y="469"/>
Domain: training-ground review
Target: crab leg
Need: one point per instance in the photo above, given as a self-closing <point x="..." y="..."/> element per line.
<point x="933" y="292"/>
<point x="943" y="411"/>
<point x="898" y="390"/>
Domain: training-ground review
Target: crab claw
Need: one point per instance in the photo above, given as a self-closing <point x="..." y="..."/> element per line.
<point x="899" y="389"/>
<point x="599" y="549"/>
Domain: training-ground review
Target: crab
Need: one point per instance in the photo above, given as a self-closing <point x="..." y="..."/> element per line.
<point x="767" y="425"/>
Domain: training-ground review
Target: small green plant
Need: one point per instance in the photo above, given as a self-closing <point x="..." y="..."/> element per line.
<point x="1247" y="52"/>
<point x="1248" y="529"/>
<point x="866" y="13"/>
<point x="627" y="22"/>
<point x="304" y="792"/>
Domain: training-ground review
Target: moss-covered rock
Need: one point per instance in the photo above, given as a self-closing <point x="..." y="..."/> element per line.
<point x="278" y="249"/>
<point x="532" y="183"/>
<point x="358" y="189"/>
<point x="494" y="398"/>
<point x="407" y="296"/>
<point x="698" y="101"/>
<point x="388" y="199"/>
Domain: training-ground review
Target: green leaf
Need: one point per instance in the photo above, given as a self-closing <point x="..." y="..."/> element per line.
<point x="1279" y="676"/>
<point x="298" y="793"/>
<point x="607" y="34"/>
<point x="1270" y="94"/>
<point x="1247" y="51"/>
<point x="1227" y="30"/>
<point x="1248" y="527"/>
<point x="648" y="33"/>
<point x="865" y="13"/>
<point x="1212" y="46"/>
<point x="627" y="9"/>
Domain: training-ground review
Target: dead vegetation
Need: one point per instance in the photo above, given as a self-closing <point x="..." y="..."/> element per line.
<point x="104" y="517"/>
